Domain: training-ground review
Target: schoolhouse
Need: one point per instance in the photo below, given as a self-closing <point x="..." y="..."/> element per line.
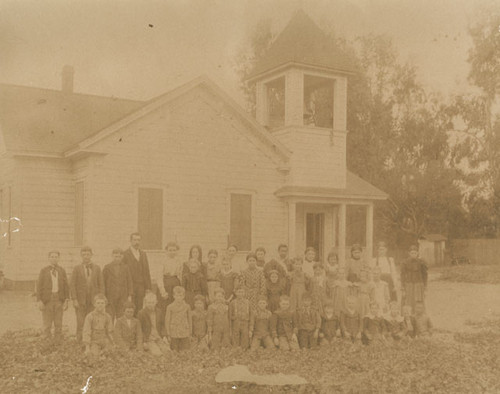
<point x="190" y="165"/>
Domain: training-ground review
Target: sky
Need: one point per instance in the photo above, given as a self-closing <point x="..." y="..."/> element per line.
<point x="140" y="49"/>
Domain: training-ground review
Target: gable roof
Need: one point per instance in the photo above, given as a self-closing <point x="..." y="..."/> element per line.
<point x="356" y="188"/>
<point x="276" y="148"/>
<point x="303" y="42"/>
<point x="50" y="121"/>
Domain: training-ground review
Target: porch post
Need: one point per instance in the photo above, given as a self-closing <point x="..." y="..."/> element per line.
<point x="369" y="232"/>
<point x="342" y="232"/>
<point x="292" y="220"/>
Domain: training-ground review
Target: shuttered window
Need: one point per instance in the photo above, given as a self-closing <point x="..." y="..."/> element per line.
<point x="79" y="212"/>
<point x="240" y="231"/>
<point x="150" y="221"/>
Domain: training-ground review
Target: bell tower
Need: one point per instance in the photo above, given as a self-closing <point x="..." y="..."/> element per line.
<point x="301" y="98"/>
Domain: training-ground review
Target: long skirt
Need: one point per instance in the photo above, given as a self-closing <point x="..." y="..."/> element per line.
<point x="392" y="289"/>
<point x="414" y="292"/>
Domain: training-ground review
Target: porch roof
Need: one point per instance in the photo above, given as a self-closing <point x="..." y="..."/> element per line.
<point x="356" y="189"/>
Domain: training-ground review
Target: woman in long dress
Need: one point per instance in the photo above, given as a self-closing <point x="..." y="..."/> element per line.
<point x="388" y="271"/>
<point x="413" y="278"/>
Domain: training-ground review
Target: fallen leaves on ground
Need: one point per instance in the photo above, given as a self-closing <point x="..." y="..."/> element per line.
<point x="463" y="363"/>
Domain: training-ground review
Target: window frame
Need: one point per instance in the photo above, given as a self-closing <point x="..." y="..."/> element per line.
<point x="164" y="189"/>
<point x="253" y="195"/>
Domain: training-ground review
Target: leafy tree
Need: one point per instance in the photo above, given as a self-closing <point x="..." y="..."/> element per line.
<point x="478" y="146"/>
<point x="397" y="138"/>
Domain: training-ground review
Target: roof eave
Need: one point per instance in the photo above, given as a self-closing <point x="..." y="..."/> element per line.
<point x="253" y="76"/>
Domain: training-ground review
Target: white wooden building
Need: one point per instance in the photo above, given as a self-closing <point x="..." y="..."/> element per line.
<point x="190" y="165"/>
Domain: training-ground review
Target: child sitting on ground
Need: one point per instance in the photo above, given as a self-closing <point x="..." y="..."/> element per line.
<point x="330" y="324"/>
<point x="239" y="319"/>
<point x="97" y="329"/>
<point x="423" y="325"/>
<point x="194" y="282"/>
<point x="178" y="320"/>
<point x="408" y="321"/>
<point x="350" y="321"/>
<point x="275" y="287"/>
<point x="373" y="325"/>
<point x="152" y="326"/>
<point x="218" y="321"/>
<point x="260" y="326"/>
<point x="283" y="323"/>
<point x="308" y="323"/>
<point x="128" y="331"/>
<point x="212" y="269"/>
<point x="199" y="316"/>
<point x="394" y="322"/>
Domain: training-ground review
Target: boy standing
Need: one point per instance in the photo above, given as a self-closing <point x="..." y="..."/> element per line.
<point x="138" y="264"/>
<point x="152" y="326"/>
<point x="283" y="325"/>
<point x="217" y="321"/>
<point x="239" y="318"/>
<point x="52" y="293"/>
<point x="179" y="321"/>
<point x="200" y="340"/>
<point x="128" y="331"/>
<point x="308" y="323"/>
<point x="86" y="283"/>
<point x="97" y="329"/>
<point x="117" y="284"/>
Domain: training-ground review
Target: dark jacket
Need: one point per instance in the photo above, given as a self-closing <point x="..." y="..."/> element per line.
<point x="78" y="286"/>
<point x="117" y="281"/>
<point x="139" y="270"/>
<point x="143" y="317"/>
<point x="44" y="284"/>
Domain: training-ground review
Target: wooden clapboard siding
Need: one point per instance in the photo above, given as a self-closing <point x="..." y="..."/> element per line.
<point x="48" y="211"/>
<point x="11" y="207"/>
<point x="197" y="152"/>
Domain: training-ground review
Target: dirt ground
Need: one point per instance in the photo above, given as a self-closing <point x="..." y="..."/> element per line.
<point x="450" y="305"/>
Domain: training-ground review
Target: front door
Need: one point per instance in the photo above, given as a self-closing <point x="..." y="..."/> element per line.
<point x="315" y="232"/>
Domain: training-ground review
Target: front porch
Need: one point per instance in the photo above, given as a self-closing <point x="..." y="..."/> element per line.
<point x="318" y="217"/>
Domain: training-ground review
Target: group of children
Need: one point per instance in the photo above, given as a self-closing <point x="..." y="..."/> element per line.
<point x="282" y="303"/>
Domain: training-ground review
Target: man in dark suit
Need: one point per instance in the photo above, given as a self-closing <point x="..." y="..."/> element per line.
<point x="86" y="282"/>
<point x="138" y="264"/>
<point x="52" y="294"/>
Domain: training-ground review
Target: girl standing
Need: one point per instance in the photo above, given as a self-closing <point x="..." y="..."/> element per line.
<point x="413" y="278"/>
<point x="387" y="267"/>
<point x="298" y="281"/>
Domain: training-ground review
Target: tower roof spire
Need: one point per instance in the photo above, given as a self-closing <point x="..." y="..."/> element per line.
<point x="302" y="42"/>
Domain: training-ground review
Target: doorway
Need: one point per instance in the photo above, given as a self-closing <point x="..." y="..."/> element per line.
<point x="315" y="232"/>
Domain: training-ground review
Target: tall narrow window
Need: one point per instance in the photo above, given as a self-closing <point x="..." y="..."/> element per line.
<point x="79" y="213"/>
<point x="240" y="231"/>
<point x="150" y="218"/>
